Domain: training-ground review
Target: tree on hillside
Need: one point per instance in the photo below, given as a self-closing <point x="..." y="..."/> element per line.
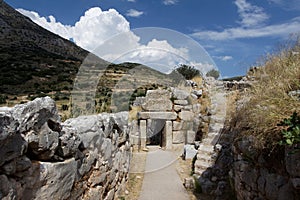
<point x="213" y="73"/>
<point x="187" y="71"/>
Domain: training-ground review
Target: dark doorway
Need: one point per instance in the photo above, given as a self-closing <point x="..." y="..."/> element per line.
<point x="156" y="132"/>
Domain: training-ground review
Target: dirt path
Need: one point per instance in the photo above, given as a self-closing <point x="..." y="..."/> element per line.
<point x="161" y="180"/>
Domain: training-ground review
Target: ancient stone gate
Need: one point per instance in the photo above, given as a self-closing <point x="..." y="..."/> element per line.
<point x="168" y="117"/>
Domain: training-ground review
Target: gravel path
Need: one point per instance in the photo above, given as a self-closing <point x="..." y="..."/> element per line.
<point x="161" y="180"/>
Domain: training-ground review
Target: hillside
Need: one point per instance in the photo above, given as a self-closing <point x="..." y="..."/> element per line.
<point x="35" y="63"/>
<point x="33" y="59"/>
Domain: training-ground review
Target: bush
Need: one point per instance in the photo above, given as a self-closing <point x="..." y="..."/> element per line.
<point x="188" y="72"/>
<point x="213" y="73"/>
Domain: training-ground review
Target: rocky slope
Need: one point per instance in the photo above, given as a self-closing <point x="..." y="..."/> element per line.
<point x="32" y="58"/>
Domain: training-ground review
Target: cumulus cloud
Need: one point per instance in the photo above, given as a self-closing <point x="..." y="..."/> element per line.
<point x="92" y="29"/>
<point x="108" y="35"/>
<point x="96" y="26"/>
<point x="170" y="2"/>
<point x="250" y="15"/>
<point x="48" y="23"/>
<point x="134" y="13"/>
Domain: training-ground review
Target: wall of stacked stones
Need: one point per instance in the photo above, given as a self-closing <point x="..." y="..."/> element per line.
<point x="180" y="110"/>
<point x="42" y="158"/>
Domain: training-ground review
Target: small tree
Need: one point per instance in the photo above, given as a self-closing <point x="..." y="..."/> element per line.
<point x="213" y="73"/>
<point x="187" y="71"/>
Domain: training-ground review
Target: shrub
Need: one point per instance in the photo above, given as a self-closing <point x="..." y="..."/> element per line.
<point x="188" y="72"/>
<point x="292" y="134"/>
<point x="213" y="73"/>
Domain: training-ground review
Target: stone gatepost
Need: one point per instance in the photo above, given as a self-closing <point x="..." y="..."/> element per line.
<point x="143" y="131"/>
<point x="169" y="135"/>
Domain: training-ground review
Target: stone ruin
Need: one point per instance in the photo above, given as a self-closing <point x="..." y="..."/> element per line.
<point x="43" y="158"/>
<point x="168" y="117"/>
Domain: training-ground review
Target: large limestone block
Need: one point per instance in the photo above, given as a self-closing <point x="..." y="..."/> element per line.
<point x="157" y="115"/>
<point x="158" y="105"/>
<point x="186" y="115"/>
<point x="57" y="179"/>
<point x="169" y="134"/>
<point x="178" y="137"/>
<point x="158" y="94"/>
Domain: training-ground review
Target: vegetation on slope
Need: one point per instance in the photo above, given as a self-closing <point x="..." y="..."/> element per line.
<point x="270" y="100"/>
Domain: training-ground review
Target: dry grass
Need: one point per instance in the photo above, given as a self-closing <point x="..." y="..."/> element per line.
<point x="269" y="102"/>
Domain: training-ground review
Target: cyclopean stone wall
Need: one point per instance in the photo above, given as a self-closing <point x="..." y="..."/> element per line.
<point x="42" y="158"/>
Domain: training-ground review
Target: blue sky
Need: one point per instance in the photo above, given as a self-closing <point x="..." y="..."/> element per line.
<point x="235" y="33"/>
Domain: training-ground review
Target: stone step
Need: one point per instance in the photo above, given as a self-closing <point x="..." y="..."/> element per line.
<point x="206" y="141"/>
<point x="203" y="164"/>
<point x="206" y="148"/>
<point x="215" y="127"/>
<point x="217" y="119"/>
<point x="212" y="135"/>
<point x="204" y="157"/>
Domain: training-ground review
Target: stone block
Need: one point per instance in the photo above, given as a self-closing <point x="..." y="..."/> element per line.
<point x="169" y="134"/>
<point x="181" y="102"/>
<point x="57" y="179"/>
<point x="189" y="151"/>
<point x="157" y="115"/>
<point x="186" y="115"/>
<point x="143" y="130"/>
<point x="158" y="105"/>
<point x="180" y="94"/>
<point x="190" y="137"/>
<point x="187" y="125"/>
<point x="188" y="107"/>
<point x="178" y="137"/>
<point x="177" y="126"/>
<point x="158" y="94"/>
<point x="177" y="108"/>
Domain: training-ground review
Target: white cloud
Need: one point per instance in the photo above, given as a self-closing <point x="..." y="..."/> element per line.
<point x="276" y="30"/>
<point x="131" y="0"/>
<point x="170" y="2"/>
<point x="252" y="25"/>
<point x="287" y="5"/>
<point x="49" y="24"/>
<point x="250" y="15"/>
<point x="224" y="58"/>
<point x="96" y="28"/>
<point x="134" y="13"/>
<point x="92" y="29"/>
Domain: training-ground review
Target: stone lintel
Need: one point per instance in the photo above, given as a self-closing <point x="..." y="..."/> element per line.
<point x="157" y="115"/>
